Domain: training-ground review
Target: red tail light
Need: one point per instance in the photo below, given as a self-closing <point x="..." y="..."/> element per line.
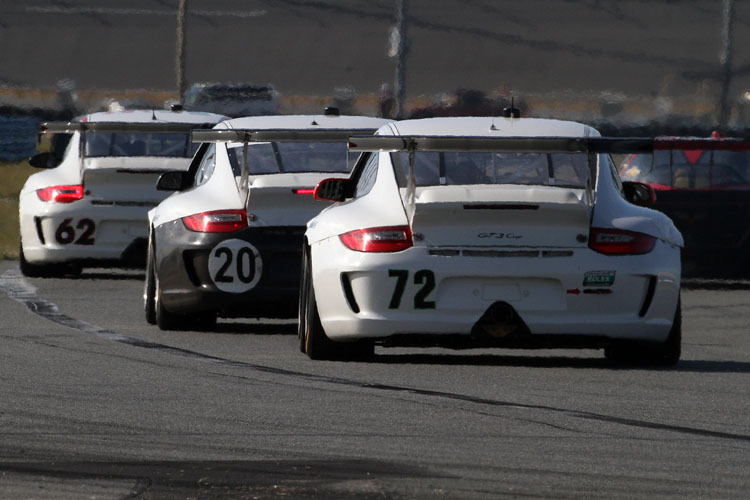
<point x="218" y="221"/>
<point x="61" y="194"/>
<point x="303" y="191"/>
<point x="620" y="242"/>
<point x="378" y="239"/>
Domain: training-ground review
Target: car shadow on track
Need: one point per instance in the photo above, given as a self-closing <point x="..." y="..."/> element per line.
<point x="242" y="328"/>
<point x="491" y="360"/>
<point x="692" y="366"/>
<point x="118" y="275"/>
<point x="715" y="284"/>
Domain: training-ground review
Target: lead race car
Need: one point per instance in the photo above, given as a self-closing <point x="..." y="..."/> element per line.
<point x="505" y="232"/>
<point x="229" y="241"/>
<point x="90" y="208"/>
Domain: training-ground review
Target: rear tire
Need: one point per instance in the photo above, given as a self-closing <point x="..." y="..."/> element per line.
<point x="312" y="336"/>
<point x="664" y="354"/>
<point x="164" y="319"/>
<point x="45" y="270"/>
<point x="302" y="306"/>
<point x="316" y="342"/>
<point x="149" y="291"/>
<point x="167" y="320"/>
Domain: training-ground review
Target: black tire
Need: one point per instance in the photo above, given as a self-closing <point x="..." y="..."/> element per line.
<point x="663" y="354"/>
<point x="149" y="289"/>
<point x="317" y="343"/>
<point x="45" y="270"/>
<point x="312" y="336"/>
<point x="165" y="320"/>
<point x="302" y="305"/>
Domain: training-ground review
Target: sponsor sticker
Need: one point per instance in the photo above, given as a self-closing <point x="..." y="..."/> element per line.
<point x="599" y="278"/>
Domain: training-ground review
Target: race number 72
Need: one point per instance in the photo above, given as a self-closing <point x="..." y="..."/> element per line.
<point x="424" y="278"/>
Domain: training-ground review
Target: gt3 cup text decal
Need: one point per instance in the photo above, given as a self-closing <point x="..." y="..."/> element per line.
<point x="500" y="236"/>
<point x="423" y="277"/>
<point x="66" y="233"/>
<point x="235" y="266"/>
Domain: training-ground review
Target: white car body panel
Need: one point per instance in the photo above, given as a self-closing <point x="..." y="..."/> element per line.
<point x="253" y="270"/>
<point x="117" y="194"/>
<point x="218" y="193"/>
<point x="541" y="275"/>
<point x="221" y="191"/>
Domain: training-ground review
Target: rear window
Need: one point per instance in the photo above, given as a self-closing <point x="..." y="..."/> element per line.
<point x="436" y="169"/>
<point x="178" y="145"/>
<point x="689" y="169"/>
<point x="292" y="157"/>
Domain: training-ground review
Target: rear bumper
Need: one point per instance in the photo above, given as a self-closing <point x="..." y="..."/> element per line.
<point x="189" y="285"/>
<point x="113" y="236"/>
<point x="548" y="294"/>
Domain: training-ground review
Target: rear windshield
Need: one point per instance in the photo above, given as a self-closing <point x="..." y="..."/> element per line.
<point x="292" y="157"/>
<point x="689" y="169"/>
<point x="167" y="144"/>
<point x="436" y="169"/>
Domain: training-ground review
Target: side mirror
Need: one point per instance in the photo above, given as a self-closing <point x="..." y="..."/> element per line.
<point x="44" y="160"/>
<point x="331" y="190"/>
<point x="639" y="193"/>
<point x="173" y="180"/>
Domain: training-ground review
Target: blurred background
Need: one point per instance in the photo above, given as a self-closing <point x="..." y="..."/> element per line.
<point x="628" y="67"/>
<point x="621" y="64"/>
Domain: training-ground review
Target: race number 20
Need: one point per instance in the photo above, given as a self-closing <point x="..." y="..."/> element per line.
<point x="235" y="266"/>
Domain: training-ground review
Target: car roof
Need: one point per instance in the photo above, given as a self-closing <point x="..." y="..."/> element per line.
<point x="151" y="116"/>
<point x="304" y="122"/>
<point x="476" y="126"/>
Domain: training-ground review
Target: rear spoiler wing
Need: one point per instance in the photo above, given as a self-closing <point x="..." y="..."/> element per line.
<point x="113" y="127"/>
<point x="276" y="135"/>
<point x="612" y="145"/>
<point x="144" y="127"/>
<point x="588" y="145"/>
<point x="246" y="136"/>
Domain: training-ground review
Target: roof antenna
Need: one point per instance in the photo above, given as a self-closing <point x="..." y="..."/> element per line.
<point x="492" y="124"/>
<point x="153" y="114"/>
<point x="512" y="111"/>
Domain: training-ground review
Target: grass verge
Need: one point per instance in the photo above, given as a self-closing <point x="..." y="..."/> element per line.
<point x="12" y="177"/>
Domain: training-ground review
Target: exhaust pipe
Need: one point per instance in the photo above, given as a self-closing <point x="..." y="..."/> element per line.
<point x="500" y="320"/>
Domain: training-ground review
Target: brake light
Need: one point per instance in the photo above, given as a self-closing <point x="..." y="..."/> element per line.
<point x="217" y="221"/>
<point x="378" y="239"/>
<point x="61" y="194"/>
<point x="620" y="242"/>
<point x="303" y="191"/>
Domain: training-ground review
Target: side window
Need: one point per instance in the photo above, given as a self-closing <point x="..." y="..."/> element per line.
<point x="368" y="176"/>
<point x="206" y="167"/>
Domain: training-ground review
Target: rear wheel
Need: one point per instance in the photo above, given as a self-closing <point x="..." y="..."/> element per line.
<point x="317" y="345"/>
<point x="45" y="270"/>
<point x="149" y="291"/>
<point x="312" y="337"/>
<point x="302" y="304"/>
<point x="666" y="353"/>
<point x="167" y="320"/>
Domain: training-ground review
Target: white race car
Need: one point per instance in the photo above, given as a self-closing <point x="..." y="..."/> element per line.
<point x="477" y="232"/>
<point x="229" y="242"/>
<point x="90" y="208"/>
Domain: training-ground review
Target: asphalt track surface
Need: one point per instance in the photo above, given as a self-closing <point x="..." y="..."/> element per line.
<point x="95" y="403"/>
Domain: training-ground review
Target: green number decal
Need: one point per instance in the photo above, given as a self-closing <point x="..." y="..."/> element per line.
<point x="401" y="276"/>
<point x="423" y="277"/>
<point x="426" y="278"/>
